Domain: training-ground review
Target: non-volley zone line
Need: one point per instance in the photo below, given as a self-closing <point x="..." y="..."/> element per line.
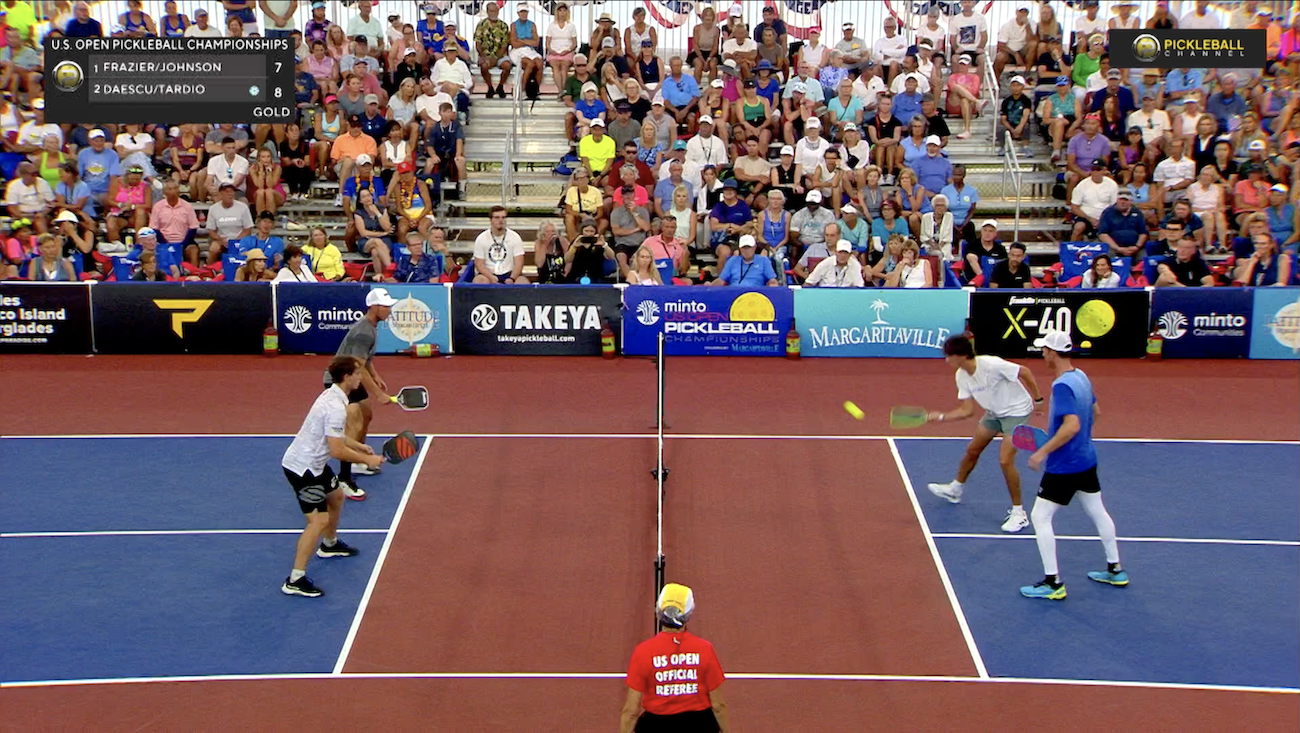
<point x="644" y="436"/>
<point x="779" y="677"/>
<point x="1094" y="538"/>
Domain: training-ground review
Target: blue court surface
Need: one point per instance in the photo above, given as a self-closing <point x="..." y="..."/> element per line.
<point x="142" y="557"/>
<point x="1213" y="550"/>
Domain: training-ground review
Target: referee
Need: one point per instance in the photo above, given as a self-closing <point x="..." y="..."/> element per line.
<point x="674" y="676"/>
<point x="359" y="342"/>
<point x="306" y="465"/>
<point x="1071" y="468"/>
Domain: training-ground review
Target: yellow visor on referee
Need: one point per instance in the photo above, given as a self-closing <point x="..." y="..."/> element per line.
<point x="675" y="604"/>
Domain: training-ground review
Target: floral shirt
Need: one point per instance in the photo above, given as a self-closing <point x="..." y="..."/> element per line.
<point x="491" y="36"/>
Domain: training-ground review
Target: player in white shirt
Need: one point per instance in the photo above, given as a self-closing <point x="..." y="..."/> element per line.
<point x="306" y="465"/>
<point x="1008" y="394"/>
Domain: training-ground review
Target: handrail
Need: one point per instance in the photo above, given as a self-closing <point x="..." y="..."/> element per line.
<point x="507" y="170"/>
<point x="995" y="92"/>
<point x="1011" y="167"/>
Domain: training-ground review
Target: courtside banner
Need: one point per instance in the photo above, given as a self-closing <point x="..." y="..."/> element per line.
<point x="1275" y="324"/>
<point x="422" y="316"/>
<point x="707" y="321"/>
<point x="312" y="318"/>
<point x="181" y="318"/>
<point x="45" y="318"/>
<point x="1202" y="323"/>
<point x="878" y="322"/>
<point x="1102" y="323"/>
<point x="528" y="320"/>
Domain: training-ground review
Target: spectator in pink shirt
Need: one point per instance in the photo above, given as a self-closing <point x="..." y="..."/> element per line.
<point x="175" y="221"/>
<point x="669" y="254"/>
<point x="963" y="94"/>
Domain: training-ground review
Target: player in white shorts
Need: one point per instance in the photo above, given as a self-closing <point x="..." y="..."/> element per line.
<point x="1008" y="394"/>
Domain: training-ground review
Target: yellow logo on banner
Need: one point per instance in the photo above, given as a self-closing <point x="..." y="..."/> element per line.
<point x="186" y="311"/>
<point x="752" y="307"/>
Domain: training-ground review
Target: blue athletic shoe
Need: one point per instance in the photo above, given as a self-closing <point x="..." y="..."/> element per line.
<point x="1044" y="590"/>
<point x="1109" y="578"/>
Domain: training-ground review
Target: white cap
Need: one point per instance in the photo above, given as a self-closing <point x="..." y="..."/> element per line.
<point x="1257" y="145"/>
<point x="1058" y="341"/>
<point x="813" y="122"/>
<point x="848" y="209"/>
<point x="597" y="122"/>
<point x="787" y="150"/>
<point x="747" y="240"/>
<point x="96" y="134"/>
<point x="1279" y="187"/>
<point x="364" y="158"/>
<point x="735" y="11"/>
<point x="716" y="83"/>
<point x="815" y="197"/>
<point x="1017" y="79"/>
<point x="379" y="296"/>
<point x="38" y="103"/>
<point x="844" y="245"/>
<point x="989" y="223"/>
<point x="65" y="215"/>
<point x="933" y="140"/>
<point x="706" y="119"/>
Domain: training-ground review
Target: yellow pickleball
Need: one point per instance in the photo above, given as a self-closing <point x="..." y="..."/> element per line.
<point x="853" y="410"/>
<point x="1095" y="318"/>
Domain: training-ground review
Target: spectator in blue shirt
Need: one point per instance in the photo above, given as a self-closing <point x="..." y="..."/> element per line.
<point x="1123" y="95"/>
<point x="82" y="25"/>
<point x="305" y="87"/>
<point x="261" y="238"/>
<point x="933" y="170"/>
<point x="98" y="165"/>
<point x="746" y="270"/>
<point x="1181" y="82"/>
<point x="430" y="29"/>
<point x="147" y="241"/>
<point x="961" y="203"/>
<point x="418" y="266"/>
<point x="776" y="24"/>
<point x="1123" y="228"/>
<point x="679" y="92"/>
<point x="1227" y="103"/>
<point x="908" y="104"/>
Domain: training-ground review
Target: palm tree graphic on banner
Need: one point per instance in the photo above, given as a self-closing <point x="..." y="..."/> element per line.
<point x="879" y="305"/>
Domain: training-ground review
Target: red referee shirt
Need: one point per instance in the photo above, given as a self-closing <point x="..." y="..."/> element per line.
<point x="674" y="672"/>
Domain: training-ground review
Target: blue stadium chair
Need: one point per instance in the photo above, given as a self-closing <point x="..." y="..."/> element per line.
<point x="986" y="265"/>
<point x="122" y="268"/>
<point x="230" y="263"/>
<point x="1075" y="257"/>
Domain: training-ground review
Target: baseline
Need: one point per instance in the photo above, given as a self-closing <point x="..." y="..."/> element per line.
<point x="647" y="436"/>
<point x="1095" y="538"/>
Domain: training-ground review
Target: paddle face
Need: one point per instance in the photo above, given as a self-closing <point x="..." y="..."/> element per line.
<point x="907" y="417"/>
<point x="400" y="447"/>
<point x="1028" y="437"/>
<point x="412" y="398"/>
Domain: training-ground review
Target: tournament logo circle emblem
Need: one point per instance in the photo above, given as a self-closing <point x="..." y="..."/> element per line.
<point x="1146" y="48"/>
<point x="1172" y="325"/>
<point x="297" y="319"/>
<point x="68" y="76"/>
<point x="483" y="317"/>
<point x="411" y="320"/>
<point x="647" y="313"/>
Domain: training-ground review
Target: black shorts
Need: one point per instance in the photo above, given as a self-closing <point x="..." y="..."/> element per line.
<point x="311" y="490"/>
<point x="695" y="721"/>
<point x="1059" y="488"/>
<point x="357" y="395"/>
<point x="627" y="250"/>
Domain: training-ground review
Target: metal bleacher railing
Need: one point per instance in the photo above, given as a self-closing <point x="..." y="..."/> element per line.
<point x="1011" y="170"/>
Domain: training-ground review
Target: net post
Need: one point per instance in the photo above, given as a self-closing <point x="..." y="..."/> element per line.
<point x="659" y="587"/>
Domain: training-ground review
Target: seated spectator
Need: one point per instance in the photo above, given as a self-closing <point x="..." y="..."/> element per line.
<point x="1014" y="44"/>
<point x="1185" y="268"/>
<point x="808" y="225"/>
<point x="417" y="266"/>
<point x="907" y="103"/>
<point x="49" y="265"/>
<point x="1206" y="199"/>
<point x="962" y="200"/>
<point x="705" y="148"/>
<point x="364" y="179"/>
<point x="74" y="238"/>
<point x="668" y="251"/>
<point x="294" y="270"/>
<point x="491" y="43"/>
<point x="582" y="200"/>
<point x="1122" y="95"/>
<point x="588" y="108"/>
<point x="630" y="225"/>
<point x="964" y="94"/>
<point x="1283" y="218"/>
<point x="854" y="228"/>
<point x="228" y="221"/>
<point x="29" y="196"/>
<point x="549" y="254"/>
<point x="261" y="239"/>
<point x="911" y="271"/>
<point x="72" y="194"/>
<point x="587" y="255"/>
<point x="1122" y="227"/>
<point x="1175" y="173"/>
<point x="642" y="270"/>
<point x="347" y="151"/>
<point x="254" y="268"/>
<point x="445" y="148"/>
<point x="1191" y="223"/>
<point x="987" y="246"/>
<point x="499" y="253"/>
<point x="1091" y="196"/>
<point x="746" y="270"/>
<point x="1083" y="150"/>
<point x="914" y="140"/>
<point x="827" y="177"/>
<point x="1058" y="115"/>
<point x="596" y="151"/>
<point x="968" y="34"/>
<point x="412" y="202"/>
<point x="627" y="177"/>
<point x="1250" y="195"/>
<point x="681" y="218"/>
<point x="641" y="174"/>
<point x="265" y="182"/>
<point x="127" y="203"/>
<point x="1227" y="103"/>
<point x="147" y="242"/>
<point x="937" y="230"/>
<point x="1266" y="267"/>
<point x="754" y="174"/>
<point x="840" y="271"/>
<point x="1099" y="275"/>
<point x="1154" y="123"/>
<point x="912" y="200"/>
<point x="326" y="259"/>
<point x="889" y="222"/>
<point x="1014" y="116"/>
<point x="176" y="223"/>
<point x="933" y="170"/>
<point x="148" y="270"/>
<point x="726" y="220"/>
<point x="227" y="167"/>
<point x="374" y="230"/>
<point x="1011" y="272"/>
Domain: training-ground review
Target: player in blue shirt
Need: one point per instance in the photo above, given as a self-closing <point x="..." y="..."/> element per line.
<point x="1071" y="467"/>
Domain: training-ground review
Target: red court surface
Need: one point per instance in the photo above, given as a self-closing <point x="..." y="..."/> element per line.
<point x="534" y="554"/>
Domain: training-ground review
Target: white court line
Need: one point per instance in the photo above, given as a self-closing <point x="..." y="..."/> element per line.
<point x="644" y="436"/>
<point x="169" y="532"/>
<point x="938" y="563"/>
<point x="379" y="561"/>
<point x="1172" y="540"/>
<point x="620" y="675"/>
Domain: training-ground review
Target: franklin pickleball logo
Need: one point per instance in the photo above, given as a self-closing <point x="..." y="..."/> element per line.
<point x="1175" y="48"/>
<point x="68" y="76"/>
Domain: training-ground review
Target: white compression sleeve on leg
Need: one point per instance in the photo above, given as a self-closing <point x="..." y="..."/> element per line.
<point x="1105" y="525"/>
<point x="1041" y="516"/>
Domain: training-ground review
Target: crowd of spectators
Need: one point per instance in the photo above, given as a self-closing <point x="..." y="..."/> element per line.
<point x="827" y="162"/>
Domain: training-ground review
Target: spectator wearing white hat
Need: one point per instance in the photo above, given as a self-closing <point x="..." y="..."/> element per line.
<point x="1014" y="42"/>
<point x="525" y="51"/>
<point x="745" y="270"/>
<point x="933" y="170"/>
<point x="964" y="92"/>
<point x="452" y="74"/>
<point x="840" y="271"/>
<point x="855" y="52"/>
<point x="808" y="225"/>
<point x="911" y="69"/>
<point x="854" y="227"/>
<point x="706" y="148"/>
<point x="968" y="33"/>
<point x="857" y="156"/>
<point x="987" y="246"/>
<point x="596" y="150"/>
<point x="1014" y="116"/>
<point x="889" y="50"/>
<point x="810" y="150"/>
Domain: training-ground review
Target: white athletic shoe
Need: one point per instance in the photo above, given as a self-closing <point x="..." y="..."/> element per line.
<point x="1016" y="520"/>
<point x="362" y="469"/>
<point x="950" y="491"/>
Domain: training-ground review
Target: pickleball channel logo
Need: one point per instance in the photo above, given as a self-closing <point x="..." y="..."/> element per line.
<point x="297" y="319"/>
<point x="68" y="76"/>
<point x="1177" y="48"/>
<point x="1146" y="48"/>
